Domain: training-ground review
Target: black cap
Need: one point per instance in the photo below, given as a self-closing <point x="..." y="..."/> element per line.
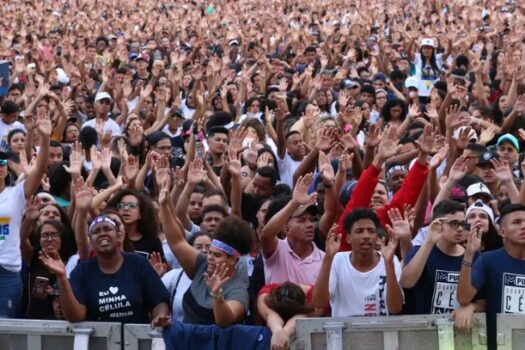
<point x="486" y="157"/>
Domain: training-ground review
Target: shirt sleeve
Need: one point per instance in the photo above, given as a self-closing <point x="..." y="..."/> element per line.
<point x="154" y="291"/>
<point x="78" y="282"/>
<point x="332" y="279"/>
<point x="411" y="253"/>
<point x="478" y="274"/>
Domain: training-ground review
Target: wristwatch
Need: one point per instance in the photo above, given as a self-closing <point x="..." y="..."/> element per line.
<point x="217" y="294"/>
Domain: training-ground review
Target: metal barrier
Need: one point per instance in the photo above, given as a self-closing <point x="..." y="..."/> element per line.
<point x="141" y="337"/>
<point x="59" y="335"/>
<point x="511" y="331"/>
<point x="429" y="332"/>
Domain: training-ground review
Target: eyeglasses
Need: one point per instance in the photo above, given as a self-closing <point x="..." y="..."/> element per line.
<point x="127" y="206"/>
<point x="49" y="236"/>
<point x="202" y="247"/>
<point x="3" y="162"/>
<point x="454" y="224"/>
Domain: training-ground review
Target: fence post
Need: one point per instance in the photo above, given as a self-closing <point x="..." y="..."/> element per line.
<point x="81" y="341"/>
<point x="445" y="334"/>
<point x="334" y="335"/>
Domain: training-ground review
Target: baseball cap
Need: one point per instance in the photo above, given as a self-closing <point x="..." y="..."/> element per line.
<point x="348" y="84"/>
<point x="103" y="95"/>
<point x="478" y="188"/>
<point x="472" y="136"/>
<point x="233" y="42"/>
<point x="482" y="206"/>
<point x="427" y="42"/>
<point x="379" y="76"/>
<point x="412" y="82"/>
<point x="312" y="209"/>
<point x="346" y="192"/>
<point x="486" y="157"/>
<point x="510" y="139"/>
<point x="143" y="57"/>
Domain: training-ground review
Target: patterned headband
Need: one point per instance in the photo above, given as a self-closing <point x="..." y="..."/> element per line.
<point x="100" y="219"/>
<point x="225" y="248"/>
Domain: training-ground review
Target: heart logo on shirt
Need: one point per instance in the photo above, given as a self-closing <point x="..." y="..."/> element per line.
<point x="113" y="290"/>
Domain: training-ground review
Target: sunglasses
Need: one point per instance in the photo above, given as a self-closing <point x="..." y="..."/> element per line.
<point x="3" y="162"/>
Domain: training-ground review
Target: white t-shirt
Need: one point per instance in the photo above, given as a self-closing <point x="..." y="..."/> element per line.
<point x="170" y="281"/>
<point x="109" y="124"/>
<point x="356" y="293"/>
<point x="12" y="206"/>
<point x="287" y="167"/>
<point x="5" y="129"/>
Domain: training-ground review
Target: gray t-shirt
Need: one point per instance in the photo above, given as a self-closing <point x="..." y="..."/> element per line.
<point x="198" y="303"/>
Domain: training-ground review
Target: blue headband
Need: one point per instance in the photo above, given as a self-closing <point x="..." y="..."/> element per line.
<point x="225" y="248"/>
<point x="99" y="220"/>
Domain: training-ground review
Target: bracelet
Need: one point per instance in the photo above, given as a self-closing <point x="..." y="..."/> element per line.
<point x="466" y="263"/>
<point x="330" y="185"/>
<point x="215" y="295"/>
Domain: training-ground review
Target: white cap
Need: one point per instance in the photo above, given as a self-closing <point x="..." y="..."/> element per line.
<point x="102" y="95"/>
<point x="481" y="206"/>
<point x="472" y="136"/>
<point x="476" y="188"/>
<point x="412" y="82"/>
<point x="427" y="42"/>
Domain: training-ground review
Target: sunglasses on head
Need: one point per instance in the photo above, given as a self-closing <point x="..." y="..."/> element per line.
<point x="3" y="162"/>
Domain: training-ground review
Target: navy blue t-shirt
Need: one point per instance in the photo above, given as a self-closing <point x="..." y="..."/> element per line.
<point x="500" y="280"/>
<point x="125" y="296"/>
<point x="436" y="289"/>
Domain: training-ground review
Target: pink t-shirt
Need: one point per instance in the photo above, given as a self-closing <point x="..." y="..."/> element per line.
<point x="284" y="265"/>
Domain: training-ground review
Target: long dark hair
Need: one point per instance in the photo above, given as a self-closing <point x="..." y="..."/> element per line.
<point x="431" y="60"/>
<point x="68" y="246"/>
<point x="148" y="224"/>
<point x="385" y="111"/>
<point x="491" y="240"/>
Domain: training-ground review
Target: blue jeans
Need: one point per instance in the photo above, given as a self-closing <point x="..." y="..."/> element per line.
<point x="10" y="293"/>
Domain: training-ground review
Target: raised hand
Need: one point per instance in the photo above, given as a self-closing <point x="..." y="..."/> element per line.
<point x="413" y="111"/>
<point x="432" y="112"/>
<point x="162" y="170"/>
<point x="164" y="193"/>
<point x="388" y="249"/>
<point x="236" y="138"/>
<point x="53" y="263"/>
<point x="155" y="260"/>
<point x="463" y="138"/>
<point x="325" y="139"/>
<point x="83" y="194"/>
<point x="488" y="134"/>
<point x="388" y="147"/>
<point x="452" y="118"/>
<point x="501" y="169"/>
<point x="333" y="241"/>
<point x="76" y="158"/>
<point x="426" y="141"/>
<point x="300" y="194"/>
<point x="474" y="240"/>
<point x="400" y="225"/>
<point x="435" y="229"/>
<point x="220" y="276"/>
<point x="459" y="169"/>
<point x="234" y="164"/>
<point x="196" y="173"/>
<point x="44" y="125"/>
<point x="438" y="158"/>
<point x="33" y="208"/>
<point x="131" y="167"/>
<point x="373" y="136"/>
<point x="326" y="169"/>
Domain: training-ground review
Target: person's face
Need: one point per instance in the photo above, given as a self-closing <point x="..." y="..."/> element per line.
<point x="186" y="80"/>
<point x="233" y="90"/>
<point x="14" y="95"/>
<point x="503" y="102"/>
<point x="395" y="112"/>
<point x="295" y="146"/>
<point x="261" y="213"/>
<point x="327" y="81"/>
<point x="57" y="309"/>
<point x="507" y="152"/>
<point x="255" y="107"/>
<point x="102" y="107"/>
<point x="321" y="98"/>
<point x="202" y="243"/>
<point x="363" y="236"/>
<point x="218" y="143"/>
<point x="427" y="51"/>
<point x="163" y="146"/>
<point x="262" y="186"/>
<point x="17" y="142"/>
<point x="513" y="228"/>
<point x="472" y="158"/>
<point x="104" y="238"/>
<point x="48" y="212"/>
<point x="479" y="218"/>
<point x="396" y="180"/>
<point x="217" y="257"/>
<point x="301" y="228"/>
<point x="71" y="133"/>
<point x="380" y="99"/>
<point x="379" y="84"/>
<point x="129" y="209"/>
<point x="310" y="56"/>
<point x="50" y="239"/>
<point x="101" y="46"/>
<point x="210" y="221"/>
<point x="453" y="231"/>
<point x="121" y="233"/>
<point x="147" y="104"/>
<point x="379" y="197"/>
<point x="55" y="155"/>
<point x="142" y="66"/>
<point x="195" y="207"/>
<point x="502" y="194"/>
<point x="486" y="174"/>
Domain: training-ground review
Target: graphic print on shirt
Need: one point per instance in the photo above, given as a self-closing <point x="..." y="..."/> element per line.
<point x="4" y="227"/>
<point x="114" y="303"/>
<point x="513" y="294"/>
<point x="373" y="300"/>
<point x="445" y="288"/>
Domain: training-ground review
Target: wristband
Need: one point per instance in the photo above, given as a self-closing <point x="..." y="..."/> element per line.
<point x="466" y="263"/>
<point x="216" y="295"/>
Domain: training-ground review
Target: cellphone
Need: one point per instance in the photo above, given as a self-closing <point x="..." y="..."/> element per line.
<point x="40" y="286"/>
<point x="199" y="150"/>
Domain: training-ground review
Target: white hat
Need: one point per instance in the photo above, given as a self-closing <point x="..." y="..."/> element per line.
<point x="427" y="42"/>
<point x="102" y="95"/>
<point x="481" y="206"/>
<point x="477" y="188"/>
<point x="472" y="136"/>
<point x="412" y="82"/>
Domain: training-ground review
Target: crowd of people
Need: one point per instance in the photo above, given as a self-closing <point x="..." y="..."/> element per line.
<point x="240" y="162"/>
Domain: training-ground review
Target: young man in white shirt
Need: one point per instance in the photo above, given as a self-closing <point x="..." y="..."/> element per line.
<point x="364" y="281"/>
<point x="103" y="102"/>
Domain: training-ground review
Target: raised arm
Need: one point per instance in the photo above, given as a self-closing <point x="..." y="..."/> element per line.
<point x="473" y="246"/>
<point x="183" y="251"/>
<point x="195" y="176"/>
<point x="34" y="177"/>
<point x="274" y="226"/>
<point x="394" y="295"/>
<point x="321" y="293"/>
